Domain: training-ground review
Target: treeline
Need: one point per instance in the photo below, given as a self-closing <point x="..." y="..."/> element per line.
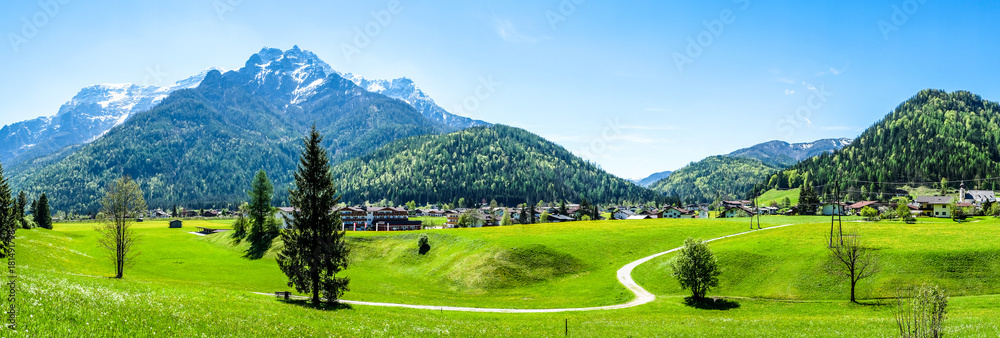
<point x="931" y="136"/>
<point x="501" y="163"/>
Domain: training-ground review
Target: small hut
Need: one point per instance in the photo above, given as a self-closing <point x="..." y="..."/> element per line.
<point x="175" y="224"/>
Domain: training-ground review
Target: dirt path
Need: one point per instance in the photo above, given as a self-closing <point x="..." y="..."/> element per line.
<point x="624" y="276"/>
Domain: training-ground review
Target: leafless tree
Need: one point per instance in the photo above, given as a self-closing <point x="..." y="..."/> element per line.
<point x="121" y="205"/>
<point x="852" y="259"/>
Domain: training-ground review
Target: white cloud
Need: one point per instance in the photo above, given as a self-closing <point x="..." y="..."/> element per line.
<point x="506" y="30"/>
<point x="789" y="92"/>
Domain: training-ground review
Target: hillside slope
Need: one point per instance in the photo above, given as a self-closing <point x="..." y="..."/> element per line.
<point x="933" y="135"/>
<point x="200" y="147"/>
<point x="715" y="177"/>
<point x="504" y="163"/>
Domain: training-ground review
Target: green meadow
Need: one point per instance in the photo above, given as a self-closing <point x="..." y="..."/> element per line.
<point x="776" y="196"/>
<point x="773" y="282"/>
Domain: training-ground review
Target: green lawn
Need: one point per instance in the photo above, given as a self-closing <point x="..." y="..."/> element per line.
<point x="186" y="285"/>
<point x="778" y="195"/>
<point x="435" y="221"/>
<point x="788" y="263"/>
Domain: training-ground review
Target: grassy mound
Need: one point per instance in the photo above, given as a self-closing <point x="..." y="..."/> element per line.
<point x="463" y="264"/>
<point x="789" y="263"/>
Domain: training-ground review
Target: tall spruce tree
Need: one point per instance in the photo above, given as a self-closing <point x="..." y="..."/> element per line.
<point x="7" y="217"/>
<point x="21" y="204"/>
<point x="262" y="229"/>
<point x="43" y="216"/>
<point x="315" y="251"/>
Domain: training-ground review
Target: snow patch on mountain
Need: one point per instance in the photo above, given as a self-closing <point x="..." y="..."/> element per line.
<point x="91" y="113"/>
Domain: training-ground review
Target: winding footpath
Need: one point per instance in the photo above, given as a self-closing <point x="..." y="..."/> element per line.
<point x="624" y="276"/>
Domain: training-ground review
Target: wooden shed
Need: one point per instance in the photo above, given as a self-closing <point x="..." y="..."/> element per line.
<point x="175" y="224"/>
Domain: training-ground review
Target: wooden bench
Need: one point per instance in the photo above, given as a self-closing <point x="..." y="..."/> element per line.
<point x="283" y="295"/>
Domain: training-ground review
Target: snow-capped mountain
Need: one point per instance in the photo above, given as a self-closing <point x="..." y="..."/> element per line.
<point x="404" y="89"/>
<point x="87" y="116"/>
<point x="783" y="154"/>
<point x="292" y="77"/>
<point x="285" y="78"/>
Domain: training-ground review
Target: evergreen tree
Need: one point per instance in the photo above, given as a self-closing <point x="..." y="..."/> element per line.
<point x="7" y="216"/>
<point x="21" y="204"/>
<point x="262" y="228"/>
<point x="523" y="219"/>
<point x="43" y="217"/>
<point x="315" y="251"/>
<point x="531" y="213"/>
<point x="562" y="208"/>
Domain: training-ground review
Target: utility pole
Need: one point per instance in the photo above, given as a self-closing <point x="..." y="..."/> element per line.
<point x="835" y="216"/>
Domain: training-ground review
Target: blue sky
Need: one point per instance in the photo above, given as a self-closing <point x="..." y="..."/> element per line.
<point x="618" y="82"/>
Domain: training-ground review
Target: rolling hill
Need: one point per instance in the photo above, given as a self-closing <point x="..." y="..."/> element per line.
<point x="715" y="177"/>
<point x="933" y="135"/>
<point x="504" y="163"/>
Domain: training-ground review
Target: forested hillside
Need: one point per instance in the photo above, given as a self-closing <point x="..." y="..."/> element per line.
<point x="931" y="136"/>
<point x="200" y="147"/>
<point x="504" y="163"/>
<point x="715" y="177"/>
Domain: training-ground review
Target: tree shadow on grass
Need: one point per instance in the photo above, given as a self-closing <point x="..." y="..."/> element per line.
<point x="876" y="302"/>
<point x="711" y="303"/>
<point x="321" y="306"/>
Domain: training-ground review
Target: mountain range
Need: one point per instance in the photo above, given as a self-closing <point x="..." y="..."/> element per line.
<point x="200" y="146"/>
<point x="734" y="175"/>
<point x="782" y="154"/>
<point x="96" y="109"/>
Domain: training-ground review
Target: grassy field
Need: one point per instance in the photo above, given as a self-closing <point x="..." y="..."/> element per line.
<point x="187" y="285"/>
<point x="435" y="221"/>
<point x="778" y="195"/>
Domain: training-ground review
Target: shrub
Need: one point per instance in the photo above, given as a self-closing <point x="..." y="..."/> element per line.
<point x="920" y="311"/>
<point x="422" y="246"/>
<point x="869" y="214"/>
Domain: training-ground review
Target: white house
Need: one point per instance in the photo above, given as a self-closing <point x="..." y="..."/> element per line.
<point x="734" y="212"/>
<point x="622" y="214"/>
<point x="935" y="206"/>
<point x="830" y="209"/>
<point x="673" y="212"/>
<point x="639" y="217"/>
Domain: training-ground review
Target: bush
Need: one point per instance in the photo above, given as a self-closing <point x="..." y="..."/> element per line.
<point x="696" y="268"/>
<point x="869" y="214"/>
<point x="422" y="246"/>
<point x="920" y="311"/>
